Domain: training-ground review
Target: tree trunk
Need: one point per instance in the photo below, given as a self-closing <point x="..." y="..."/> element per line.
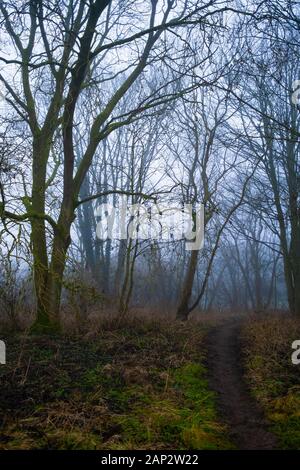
<point x="38" y="232"/>
<point x="183" y="308"/>
<point x="120" y="267"/>
<point x="49" y="293"/>
<point x="297" y="293"/>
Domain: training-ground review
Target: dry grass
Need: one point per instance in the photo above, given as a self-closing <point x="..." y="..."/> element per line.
<point x="274" y="380"/>
<point x="128" y="384"/>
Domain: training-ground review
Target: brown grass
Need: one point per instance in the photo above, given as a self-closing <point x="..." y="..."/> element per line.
<point x="133" y="383"/>
<point x="273" y="379"/>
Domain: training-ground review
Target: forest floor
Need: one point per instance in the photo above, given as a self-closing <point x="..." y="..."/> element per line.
<point x="149" y="383"/>
<point x="136" y="384"/>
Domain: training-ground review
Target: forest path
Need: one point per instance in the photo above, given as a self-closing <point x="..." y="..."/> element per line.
<point x="245" y="420"/>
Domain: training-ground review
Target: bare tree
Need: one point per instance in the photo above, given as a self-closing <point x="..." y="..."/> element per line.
<point x="271" y="130"/>
<point x="58" y="51"/>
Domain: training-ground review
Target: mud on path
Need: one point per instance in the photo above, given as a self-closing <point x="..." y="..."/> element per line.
<point x="245" y="420"/>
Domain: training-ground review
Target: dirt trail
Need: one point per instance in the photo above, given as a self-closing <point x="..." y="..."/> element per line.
<point x="247" y="426"/>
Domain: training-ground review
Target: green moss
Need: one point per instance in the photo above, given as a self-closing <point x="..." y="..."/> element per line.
<point x="287" y="428"/>
<point x="187" y="420"/>
<point x="200" y="427"/>
<point x="92" y="377"/>
<point x="63" y="385"/>
<point x="133" y="428"/>
<point x="284" y="414"/>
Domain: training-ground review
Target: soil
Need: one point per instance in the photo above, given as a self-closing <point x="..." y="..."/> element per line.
<point x="247" y="425"/>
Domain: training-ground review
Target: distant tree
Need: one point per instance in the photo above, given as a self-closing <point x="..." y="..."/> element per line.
<point x="271" y="121"/>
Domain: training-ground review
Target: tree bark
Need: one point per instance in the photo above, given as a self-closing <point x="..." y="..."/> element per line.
<point x="49" y="287"/>
<point x="183" y="308"/>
